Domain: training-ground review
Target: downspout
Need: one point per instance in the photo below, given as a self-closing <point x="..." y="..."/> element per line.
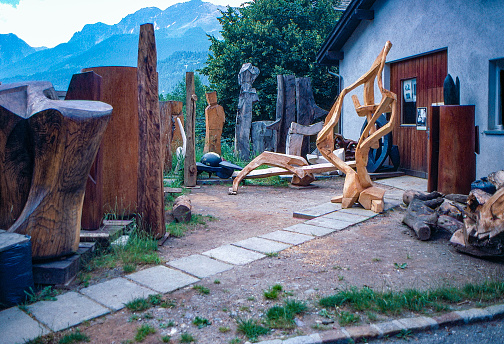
<point x="340" y="78"/>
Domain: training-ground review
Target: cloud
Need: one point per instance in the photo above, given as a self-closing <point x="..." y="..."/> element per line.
<point x="13" y="3"/>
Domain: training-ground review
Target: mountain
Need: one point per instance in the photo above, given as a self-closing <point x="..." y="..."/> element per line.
<point x="181" y="40"/>
<point x="12" y="49"/>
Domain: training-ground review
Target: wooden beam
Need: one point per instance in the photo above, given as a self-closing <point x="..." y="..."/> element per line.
<point x="150" y="196"/>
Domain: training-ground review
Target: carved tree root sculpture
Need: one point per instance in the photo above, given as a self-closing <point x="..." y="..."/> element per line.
<point x="59" y="141"/>
<point x="356" y="182"/>
<point x="288" y="162"/>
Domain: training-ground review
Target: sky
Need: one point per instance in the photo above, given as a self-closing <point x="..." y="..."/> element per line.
<point x="51" y="22"/>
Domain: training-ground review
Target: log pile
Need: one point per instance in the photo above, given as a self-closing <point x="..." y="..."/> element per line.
<point x="476" y="221"/>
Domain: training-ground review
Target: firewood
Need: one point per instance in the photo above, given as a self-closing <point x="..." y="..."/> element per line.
<point x="182" y="209"/>
<point x="434" y="203"/>
<point x="497" y="179"/>
<point x="476" y="199"/>
<point x="420" y="218"/>
<point x="449" y="224"/>
<point x="450" y="209"/>
<point x="410" y="194"/>
<point x="457" y="198"/>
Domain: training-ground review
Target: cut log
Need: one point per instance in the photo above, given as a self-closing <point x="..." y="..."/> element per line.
<point x="410" y="194"/>
<point x="449" y="224"/>
<point x="450" y="209"/>
<point x="420" y="218"/>
<point x="476" y="199"/>
<point x="377" y="206"/>
<point x="457" y="198"/>
<point x="434" y="203"/>
<point x="497" y="179"/>
<point x="182" y="209"/>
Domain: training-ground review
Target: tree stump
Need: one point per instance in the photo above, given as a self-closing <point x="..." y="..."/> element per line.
<point x="182" y="209"/>
<point x="60" y="140"/>
<point x="420" y="218"/>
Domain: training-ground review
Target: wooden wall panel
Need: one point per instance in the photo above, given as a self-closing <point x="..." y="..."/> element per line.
<point x="430" y="71"/>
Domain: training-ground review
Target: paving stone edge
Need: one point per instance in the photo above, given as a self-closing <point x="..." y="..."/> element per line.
<point x="344" y="335"/>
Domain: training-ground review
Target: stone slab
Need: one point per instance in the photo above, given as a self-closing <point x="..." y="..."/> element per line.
<point x="497" y="311"/>
<point x="332" y="224"/>
<point x="406" y="183"/>
<point x="362" y="332"/>
<point x="59" y="271"/>
<point x="18" y="327"/>
<point x="287" y="237"/>
<point x="116" y="292"/>
<point x="233" y="255"/>
<point x="359" y="211"/>
<point x="262" y="245"/>
<point x="200" y="266"/>
<point x="419" y="323"/>
<point x="317" y="211"/>
<point x="9" y="240"/>
<point x="69" y="310"/>
<point x="347" y="217"/>
<point x="474" y="315"/>
<point x="301" y="340"/>
<point x="312" y="228"/>
<point x="388" y="328"/>
<point x="162" y="279"/>
<point x="448" y="319"/>
<point x="337" y="336"/>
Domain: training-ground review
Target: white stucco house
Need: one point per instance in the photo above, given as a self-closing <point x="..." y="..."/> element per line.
<point x="430" y="39"/>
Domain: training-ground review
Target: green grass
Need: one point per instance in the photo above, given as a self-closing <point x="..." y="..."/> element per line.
<point x="140" y="304"/>
<point x="269" y="181"/>
<point x="251" y="328"/>
<point x="273" y="292"/>
<point x="347" y="318"/>
<point x="46" y="294"/>
<point x="201" y="289"/>
<point x="178" y="230"/>
<point x="74" y="337"/>
<point x="201" y="322"/>
<point x="224" y="329"/>
<point x="166" y="339"/>
<point x="187" y="338"/>
<point x="393" y="302"/>
<point x="282" y="317"/>
<point x="143" y="331"/>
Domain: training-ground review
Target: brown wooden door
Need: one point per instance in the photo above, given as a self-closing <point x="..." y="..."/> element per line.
<point x="429" y="72"/>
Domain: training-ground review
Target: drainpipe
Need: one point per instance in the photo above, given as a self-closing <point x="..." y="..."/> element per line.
<point x="340" y="78"/>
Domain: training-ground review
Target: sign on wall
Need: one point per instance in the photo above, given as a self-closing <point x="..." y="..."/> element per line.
<point x="421" y="118"/>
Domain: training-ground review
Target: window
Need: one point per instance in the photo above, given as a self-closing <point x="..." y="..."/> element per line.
<point x="496" y="95"/>
<point x="408" y="102"/>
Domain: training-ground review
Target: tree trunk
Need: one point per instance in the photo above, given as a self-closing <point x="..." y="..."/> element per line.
<point x="182" y="209"/>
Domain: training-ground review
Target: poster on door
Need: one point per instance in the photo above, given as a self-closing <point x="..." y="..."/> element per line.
<point x="421" y="118"/>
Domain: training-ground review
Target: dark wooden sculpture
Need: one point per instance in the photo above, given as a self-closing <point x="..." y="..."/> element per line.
<point x="47" y="148"/>
<point x="214" y="119"/>
<point x="150" y="159"/>
<point x="190" y="169"/>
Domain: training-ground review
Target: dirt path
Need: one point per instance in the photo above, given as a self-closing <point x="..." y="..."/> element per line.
<point x="362" y="255"/>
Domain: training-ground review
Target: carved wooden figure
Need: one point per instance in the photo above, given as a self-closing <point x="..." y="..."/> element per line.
<point x="190" y="169"/>
<point x="214" y="118"/>
<point x="356" y="182"/>
<point x="47" y="147"/>
<point x="248" y="96"/>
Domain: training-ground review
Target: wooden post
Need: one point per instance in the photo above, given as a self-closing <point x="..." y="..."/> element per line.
<point x="150" y="163"/>
<point x="190" y="170"/>
<point x="165" y="111"/>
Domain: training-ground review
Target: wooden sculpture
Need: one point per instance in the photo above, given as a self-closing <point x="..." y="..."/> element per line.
<point x="214" y="118"/>
<point x="358" y="185"/>
<point x="47" y="147"/>
<point x="190" y="169"/>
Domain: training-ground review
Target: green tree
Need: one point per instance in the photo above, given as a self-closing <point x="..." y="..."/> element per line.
<point x="179" y="94"/>
<point x="279" y="37"/>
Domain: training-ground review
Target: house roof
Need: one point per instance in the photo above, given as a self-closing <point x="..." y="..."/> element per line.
<point x="357" y="10"/>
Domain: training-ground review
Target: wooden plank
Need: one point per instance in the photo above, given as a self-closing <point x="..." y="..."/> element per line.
<point x="150" y="163"/>
<point x="87" y="86"/>
<point x="172" y="190"/>
<point x="190" y="170"/>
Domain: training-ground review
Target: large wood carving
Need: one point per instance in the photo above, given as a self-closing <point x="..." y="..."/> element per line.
<point x="214" y="118"/>
<point x="358" y="180"/>
<point x="150" y="159"/>
<point x="190" y="169"/>
<point x="171" y="137"/>
<point x="47" y="148"/>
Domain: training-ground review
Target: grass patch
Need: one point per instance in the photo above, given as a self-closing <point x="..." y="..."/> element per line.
<point x="46" y="294"/>
<point x="273" y="292"/>
<point x="224" y="329"/>
<point x="197" y="221"/>
<point x="392" y="302"/>
<point x="143" y="331"/>
<point x="251" y="328"/>
<point x="269" y="181"/>
<point x="201" y="322"/>
<point x="282" y="317"/>
<point x="166" y="339"/>
<point x="74" y="337"/>
<point x="187" y="338"/>
<point x="347" y="318"/>
<point x="140" y="304"/>
<point x="201" y="289"/>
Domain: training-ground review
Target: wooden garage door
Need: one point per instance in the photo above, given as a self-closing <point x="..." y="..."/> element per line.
<point x="429" y="72"/>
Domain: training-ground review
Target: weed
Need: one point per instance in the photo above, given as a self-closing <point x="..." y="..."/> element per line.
<point x="138" y="305"/>
<point x="155" y="299"/>
<point x="324" y="313"/>
<point x="341" y="278"/>
<point x="143" y="331"/>
<point x="244" y="309"/>
<point x="148" y="316"/>
<point x="320" y="327"/>
<point x="170" y="323"/>
<point x="202" y="289"/>
<point x="404" y="334"/>
<point x="46" y="294"/>
<point x="283" y="317"/>
<point x="272" y="254"/>
<point x="166" y="339"/>
<point x="197" y="221"/>
<point x="346" y="318"/>
<point x="235" y="341"/>
<point x="251" y="328"/>
<point x="129" y="268"/>
<point x="269" y="181"/>
<point x="401" y="266"/>
<point x="223" y="329"/>
<point x="273" y="292"/>
<point x="74" y="337"/>
<point x="251" y="298"/>
<point x="216" y="281"/>
<point x="376" y="260"/>
<point x="133" y="317"/>
<point x="201" y="322"/>
<point x="187" y="338"/>
<point x="371" y="316"/>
